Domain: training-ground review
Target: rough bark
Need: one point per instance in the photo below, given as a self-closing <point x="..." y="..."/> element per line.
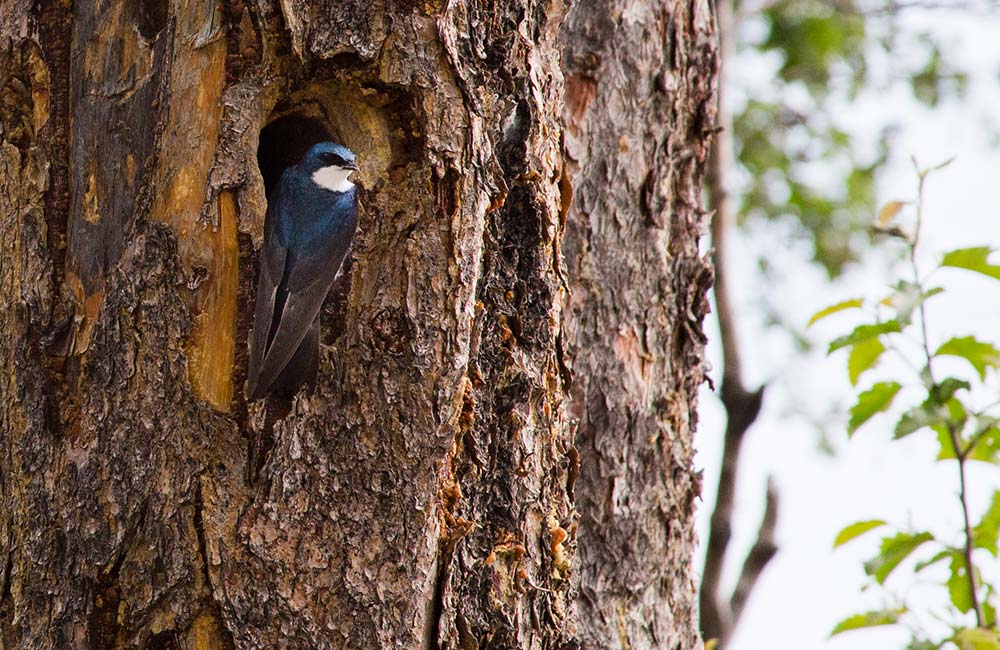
<point x="637" y="301"/>
<point x="497" y="452"/>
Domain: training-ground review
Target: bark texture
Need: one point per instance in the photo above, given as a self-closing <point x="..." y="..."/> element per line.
<point x="497" y="452"/>
<point x="637" y="302"/>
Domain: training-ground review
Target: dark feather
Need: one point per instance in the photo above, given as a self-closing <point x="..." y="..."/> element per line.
<point x="272" y="265"/>
<point x="302" y="367"/>
<point x="308" y="233"/>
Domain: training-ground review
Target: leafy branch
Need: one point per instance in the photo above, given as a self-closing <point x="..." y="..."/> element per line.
<point x="940" y="405"/>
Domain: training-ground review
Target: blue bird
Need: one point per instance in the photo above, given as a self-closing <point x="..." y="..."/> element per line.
<point x="310" y="221"/>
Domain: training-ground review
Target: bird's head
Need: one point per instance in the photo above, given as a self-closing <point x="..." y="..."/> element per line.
<point x="329" y="165"/>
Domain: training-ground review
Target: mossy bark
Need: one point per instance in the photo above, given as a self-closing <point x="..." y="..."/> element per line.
<point x="497" y="452"/>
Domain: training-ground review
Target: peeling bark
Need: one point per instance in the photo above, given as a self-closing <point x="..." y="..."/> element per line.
<point x="637" y="302"/>
<point x="497" y="452"/>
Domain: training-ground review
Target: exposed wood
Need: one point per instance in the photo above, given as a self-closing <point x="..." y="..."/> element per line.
<point x="212" y="345"/>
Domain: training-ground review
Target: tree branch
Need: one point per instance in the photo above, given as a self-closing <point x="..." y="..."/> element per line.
<point x="960" y="457"/>
<point x="719" y="614"/>
<point x="761" y="553"/>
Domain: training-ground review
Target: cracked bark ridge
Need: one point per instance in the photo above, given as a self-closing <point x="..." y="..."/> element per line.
<point x="422" y="496"/>
<point x="639" y="109"/>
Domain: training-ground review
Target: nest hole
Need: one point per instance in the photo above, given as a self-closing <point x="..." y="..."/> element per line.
<point x="283" y="142"/>
<point x="150" y="17"/>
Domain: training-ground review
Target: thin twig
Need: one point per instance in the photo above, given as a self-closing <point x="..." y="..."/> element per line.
<point x="761" y="553"/>
<point x="969" y="448"/>
<point x="960" y="455"/>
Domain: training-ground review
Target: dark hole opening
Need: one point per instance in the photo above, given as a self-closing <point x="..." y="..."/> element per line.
<point x="283" y="142"/>
<point x="163" y="641"/>
<point x="150" y="17"/>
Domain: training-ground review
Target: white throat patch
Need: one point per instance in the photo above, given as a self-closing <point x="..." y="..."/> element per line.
<point x="333" y="178"/>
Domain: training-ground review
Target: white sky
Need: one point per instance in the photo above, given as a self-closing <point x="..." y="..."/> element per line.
<point x="808" y="587"/>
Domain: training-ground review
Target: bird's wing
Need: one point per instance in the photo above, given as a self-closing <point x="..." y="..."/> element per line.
<point x="302" y="367"/>
<point x="272" y="268"/>
<point x="300" y="311"/>
<point x="295" y="301"/>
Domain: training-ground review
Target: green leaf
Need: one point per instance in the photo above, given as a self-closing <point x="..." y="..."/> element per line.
<point x="956" y="412"/>
<point x="976" y="638"/>
<point x="947" y="451"/>
<point x="863" y="333"/>
<point x="985" y="431"/>
<point x="984" y="535"/>
<point x="959" y="589"/>
<point x="914" y="420"/>
<point x="987" y="448"/>
<point x="874" y="400"/>
<point x="863" y="356"/>
<point x="941" y="555"/>
<point x="856" y="529"/>
<point x="978" y="353"/>
<point x="868" y="619"/>
<point x="893" y="551"/>
<point x="972" y="259"/>
<point x="942" y="392"/>
<point x="939" y="409"/>
<point x="833" y="309"/>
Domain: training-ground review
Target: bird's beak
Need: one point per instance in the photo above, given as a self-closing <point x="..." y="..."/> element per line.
<point x="351" y="166"/>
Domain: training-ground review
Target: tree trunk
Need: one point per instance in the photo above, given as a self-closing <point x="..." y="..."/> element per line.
<point x="497" y="452"/>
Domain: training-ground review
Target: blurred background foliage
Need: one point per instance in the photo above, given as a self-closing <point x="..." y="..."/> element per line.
<point x="803" y="167"/>
<point x="797" y="160"/>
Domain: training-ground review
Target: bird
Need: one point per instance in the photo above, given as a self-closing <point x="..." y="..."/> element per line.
<point x="308" y="227"/>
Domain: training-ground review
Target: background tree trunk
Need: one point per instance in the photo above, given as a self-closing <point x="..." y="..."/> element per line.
<point x="498" y="449"/>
